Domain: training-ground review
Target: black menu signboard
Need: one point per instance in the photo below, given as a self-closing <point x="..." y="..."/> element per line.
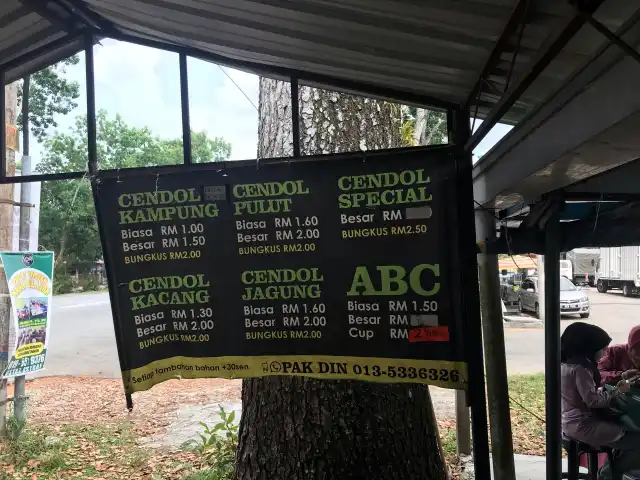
<point x="337" y="269"/>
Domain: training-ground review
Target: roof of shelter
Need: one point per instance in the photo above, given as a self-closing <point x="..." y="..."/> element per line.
<point x="517" y="262"/>
<point x="599" y="211"/>
<point x="458" y="52"/>
<point x="583" y="129"/>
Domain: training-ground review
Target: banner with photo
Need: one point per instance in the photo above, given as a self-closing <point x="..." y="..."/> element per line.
<point x="30" y="280"/>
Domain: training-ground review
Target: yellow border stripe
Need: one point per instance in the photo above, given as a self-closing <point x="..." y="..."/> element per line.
<point x="441" y="373"/>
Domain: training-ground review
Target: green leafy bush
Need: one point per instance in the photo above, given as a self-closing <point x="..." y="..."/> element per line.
<point x="217" y="445"/>
<point x="90" y="283"/>
<point x="62" y="284"/>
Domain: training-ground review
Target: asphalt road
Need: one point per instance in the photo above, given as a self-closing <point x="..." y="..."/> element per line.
<point x="82" y="340"/>
<point x="611" y="311"/>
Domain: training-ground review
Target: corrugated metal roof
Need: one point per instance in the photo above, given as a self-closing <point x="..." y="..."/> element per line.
<point x="23" y="30"/>
<point x="430" y="48"/>
<point x="423" y="48"/>
<point x="584" y="130"/>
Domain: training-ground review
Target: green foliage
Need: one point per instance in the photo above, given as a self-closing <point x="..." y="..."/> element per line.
<point x="62" y="282"/>
<point x="15" y="427"/>
<point x="408" y="127"/>
<point x="434" y="131"/>
<point x="217" y="445"/>
<point x="528" y="403"/>
<point x="90" y="283"/>
<point x="92" y="450"/>
<point x="449" y="443"/>
<point x="50" y="94"/>
<point x="208" y="474"/>
<point x="67" y="218"/>
<point x="33" y="446"/>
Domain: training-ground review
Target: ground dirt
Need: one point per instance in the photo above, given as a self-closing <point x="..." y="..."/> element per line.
<point x="163" y="419"/>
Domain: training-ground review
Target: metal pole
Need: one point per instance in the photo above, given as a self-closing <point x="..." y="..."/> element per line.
<point x="295" y="116"/>
<point x="494" y="353"/>
<point x="552" y="346"/>
<point x="184" y="102"/>
<point x="615" y="39"/>
<point x="19" y="396"/>
<point x="463" y="424"/>
<point x="460" y="132"/>
<point x="92" y="164"/>
<point x="5" y="306"/>
<point x="122" y="353"/>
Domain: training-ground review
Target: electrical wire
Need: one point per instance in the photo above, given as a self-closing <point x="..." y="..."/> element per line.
<point x="238" y="87"/>
<point x="511" y="399"/>
<point x="595" y="223"/>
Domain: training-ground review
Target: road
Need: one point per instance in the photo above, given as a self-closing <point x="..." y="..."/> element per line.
<point x="82" y="341"/>
<point x="611" y="311"/>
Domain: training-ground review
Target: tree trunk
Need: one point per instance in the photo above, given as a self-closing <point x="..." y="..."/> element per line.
<point x="295" y="428"/>
<point x="422" y="116"/>
<point x="6" y="191"/>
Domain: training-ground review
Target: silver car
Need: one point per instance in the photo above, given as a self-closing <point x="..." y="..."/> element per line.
<point x="573" y="301"/>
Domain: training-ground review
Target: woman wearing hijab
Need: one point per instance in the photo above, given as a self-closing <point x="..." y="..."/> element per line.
<point x="585" y="403"/>
<point x="621" y="362"/>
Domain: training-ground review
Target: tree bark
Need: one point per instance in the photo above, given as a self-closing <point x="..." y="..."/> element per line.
<point x="296" y="428"/>
<point x="6" y="191"/>
<point x="422" y="116"/>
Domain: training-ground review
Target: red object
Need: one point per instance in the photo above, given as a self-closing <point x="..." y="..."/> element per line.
<point x="429" y="334"/>
<point x="584" y="460"/>
<point x="616" y="359"/>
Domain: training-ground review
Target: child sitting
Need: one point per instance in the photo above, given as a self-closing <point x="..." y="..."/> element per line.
<point x="585" y="405"/>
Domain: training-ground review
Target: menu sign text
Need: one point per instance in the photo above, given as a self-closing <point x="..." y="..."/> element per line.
<point x="338" y="269"/>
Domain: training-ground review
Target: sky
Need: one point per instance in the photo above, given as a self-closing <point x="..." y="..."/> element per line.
<point x="143" y="85"/>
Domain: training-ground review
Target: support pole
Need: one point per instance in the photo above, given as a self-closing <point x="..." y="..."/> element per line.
<point x="460" y="131"/>
<point x="494" y="353"/>
<point x="295" y="116"/>
<point x="552" y="346"/>
<point x="463" y="424"/>
<point x="92" y="166"/>
<point x="541" y="287"/>
<point x="5" y="302"/>
<point x="19" y="395"/>
<point x="184" y="103"/>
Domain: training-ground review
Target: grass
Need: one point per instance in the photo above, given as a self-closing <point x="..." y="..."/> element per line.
<point x="33" y="449"/>
<point x="527" y="418"/>
<point x="207" y="474"/>
<point x="86" y="451"/>
<point x="527" y="413"/>
<point x="111" y="449"/>
<point x="448" y="439"/>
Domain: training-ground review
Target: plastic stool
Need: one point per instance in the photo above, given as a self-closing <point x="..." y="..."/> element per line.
<point x="575" y="450"/>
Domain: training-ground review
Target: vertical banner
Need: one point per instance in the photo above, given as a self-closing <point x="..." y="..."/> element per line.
<point x="30" y="280"/>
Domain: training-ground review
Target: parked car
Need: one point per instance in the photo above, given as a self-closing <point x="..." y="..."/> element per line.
<point x="573" y="300"/>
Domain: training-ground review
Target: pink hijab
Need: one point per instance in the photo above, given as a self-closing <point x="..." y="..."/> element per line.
<point x="634" y="336"/>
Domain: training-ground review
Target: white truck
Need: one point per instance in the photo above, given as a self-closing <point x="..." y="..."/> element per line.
<point x="619" y="268"/>
<point x="566" y="269"/>
<point x="584" y="265"/>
